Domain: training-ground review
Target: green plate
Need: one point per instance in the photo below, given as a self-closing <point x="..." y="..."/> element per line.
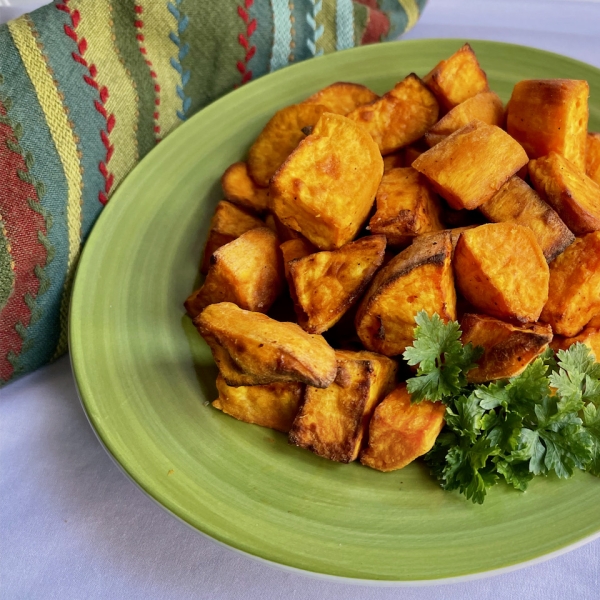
<point x="146" y="378"/>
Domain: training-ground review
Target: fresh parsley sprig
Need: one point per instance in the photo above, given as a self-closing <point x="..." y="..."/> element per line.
<point x="545" y="420"/>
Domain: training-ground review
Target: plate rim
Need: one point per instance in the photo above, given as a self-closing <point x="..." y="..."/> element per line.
<point x="73" y="354"/>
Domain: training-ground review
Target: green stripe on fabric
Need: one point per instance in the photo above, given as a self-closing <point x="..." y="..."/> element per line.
<point x="316" y="27"/>
<point x="302" y="29"/>
<point x="124" y="17"/>
<point x="214" y="50"/>
<point x="262" y="38"/>
<point x="361" y="18"/>
<point x="283" y="35"/>
<point x="327" y="18"/>
<point x="47" y="169"/>
<point x="7" y="275"/>
<point x="79" y="97"/>
<point x="344" y="24"/>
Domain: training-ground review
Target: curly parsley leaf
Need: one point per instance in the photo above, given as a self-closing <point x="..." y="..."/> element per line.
<point x="591" y="420"/>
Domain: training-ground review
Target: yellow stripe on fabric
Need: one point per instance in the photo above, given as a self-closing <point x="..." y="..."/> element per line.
<point x="327" y="18"/>
<point x="159" y="22"/>
<point x="412" y="12"/>
<point x="122" y="102"/>
<point x="24" y="35"/>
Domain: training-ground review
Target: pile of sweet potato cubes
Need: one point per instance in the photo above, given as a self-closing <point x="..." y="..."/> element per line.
<point x="369" y="209"/>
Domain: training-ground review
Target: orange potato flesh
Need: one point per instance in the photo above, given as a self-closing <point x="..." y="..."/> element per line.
<point x="517" y="203"/>
<point x="472" y="164"/>
<point x="570" y="192"/>
<point x="508" y="349"/>
<point x="501" y="270"/>
<point x="419" y="278"/>
<point x="486" y="107"/>
<point x="406" y="207"/>
<point x="400" y="432"/>
<point x="332" y="422"/>
<point x="412" y="152"/>
<point x="247" y="271"/>
<point x="399" y="117"/>
<point x="594" y="321"/>
<point x="274" y="405"/>
<point x="592" y="157"/>
<point x="457" y="78"/>
<point x="590" y="336"/>
<point x="325" y="285"/>
<point x="393" y="161"/>
<point x="252" y="349"/>
<point x="279" y="138"/>
<point x="292" y="249"/>
<point x="454" y="234"/>
<point x="550" y="115"/>
<point x="326" y="187"/>
<point x="342" y="98"/>
<point x="574" y="297"/>
<point x="239" y="188"/>
<point x="227" y="224"/>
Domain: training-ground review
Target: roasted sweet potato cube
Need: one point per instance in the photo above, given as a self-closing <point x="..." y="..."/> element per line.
<point x="227" y="224"/>
<point x="574" y="296"/>
<point x="486" y="107"/>
<point x="400" y="431"/>
<point x="454" y="234"/>
<point x="592" y="157"/>
<point x="253" y="349"/>
<point x="406" y="207"/>
<point x="501" y="270"/>
<point x="570" y="192"/>
<point x="457" y="78"/>
<point x="594" y="321"/>
<point x="279" y="138"/>
<point x="293" y="249"/>
<point x="516" y="202"/>
<point x="590" y="336"/>
<point x="326" y="187"/>
<point x="550" y="115"/>
<point x="419" y="278"/>
<point x="332" y="422"/>
<point x="413" y="151"/>
<point x="393" y="161"/>
<point x="508" y="349"/>
<point x="248" y="272"/>
<point x="399" y="117"/>
<point x="342" y="98"/>
<point x="240" y="188"/>
<point x="274" y="405"/>
<point x="472" y="164"/>
<point x="326" y="284"/>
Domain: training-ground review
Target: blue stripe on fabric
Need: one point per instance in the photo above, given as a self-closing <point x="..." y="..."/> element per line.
<point x="262" y="38"/>
<point x="315" y="32"/>
<point x="397" y="15"/>
<point x="283" y="35"/>
<point x="344" y="24"/>
<point x="301" y="8"/>
<point x="79" y="97"/>
<point x="42" y="336"/>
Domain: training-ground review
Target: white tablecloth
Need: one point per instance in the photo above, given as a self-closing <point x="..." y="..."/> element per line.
<point x="72" y="526"/>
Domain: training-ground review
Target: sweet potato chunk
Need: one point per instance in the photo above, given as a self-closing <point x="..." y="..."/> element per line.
<point x="517" y="203"/>
<point x="253" y="349"/>
<point x="501" y="270"/>
<point x="293" y="249"/>
<point x="227" y="224"/>
<point x="457" y="78"/>
<point x="570" y="192"/>
<point x="279" y="138"/>
<point x="247" y="272"/>
<point x="472" y="164"/>
<point x="399" y="117"/>
<point x="419" y="278"/>
<point x="332" y="422"/>
<point x="406" y="207"/>
<point x="240" y="188"/>
<point x="326" y="187"/>
<point x="326" y="284"/>
<point x="550" y="115"/>
<point x="400" y="431"/>
<point x="574" y="287"/>
<point x="342" y="98"/>
<point x="590" y="336"/>
<point x="486" y="107"/>
<point x="393" y="161"/>
<point x="507" y="349"/>
<point x="592" y="157"/>
<point x="274" y="405"/>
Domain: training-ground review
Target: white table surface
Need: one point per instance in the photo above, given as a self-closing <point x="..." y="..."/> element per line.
<point x="72" y="526"/>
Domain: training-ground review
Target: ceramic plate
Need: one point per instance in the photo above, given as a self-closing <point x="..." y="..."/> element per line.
<point x="146" y="378"/>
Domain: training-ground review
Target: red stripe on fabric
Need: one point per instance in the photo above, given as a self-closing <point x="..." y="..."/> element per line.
<point x="378" y="25"/>
<point x="22" y="225"/>
<point x="244" y="41"/>
<point x="370" y="3"/>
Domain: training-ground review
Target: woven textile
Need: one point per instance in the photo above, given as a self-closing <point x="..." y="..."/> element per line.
<point x="88" y="87"/>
